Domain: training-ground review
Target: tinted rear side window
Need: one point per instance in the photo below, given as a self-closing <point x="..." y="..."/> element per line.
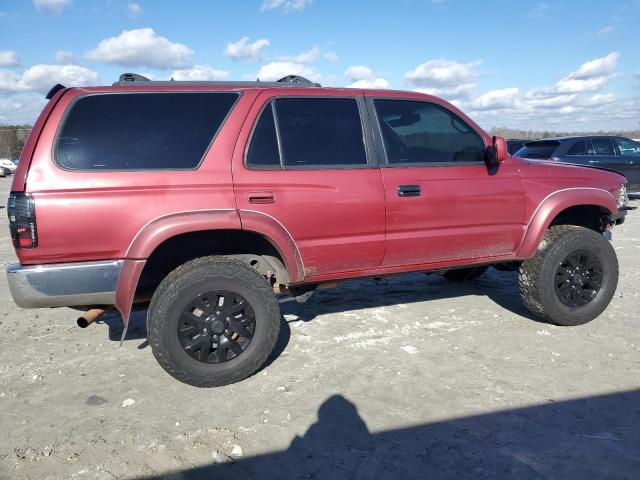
<point x="141" y="131"/>
<point x="578" y="148"/>
<point x="263" y="150"/>
<point x="320" y="131"/>
<point x="538" y="149"/>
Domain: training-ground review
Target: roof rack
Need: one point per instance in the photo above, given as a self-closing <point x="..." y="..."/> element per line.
<point x="288" y="81"/>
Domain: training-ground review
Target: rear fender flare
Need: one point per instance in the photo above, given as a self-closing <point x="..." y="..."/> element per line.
<point x="162" y="228"/>
<point x="552" y="205"/>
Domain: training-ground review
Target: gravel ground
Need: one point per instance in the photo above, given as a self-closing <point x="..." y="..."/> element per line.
<point x="410" y="376"/>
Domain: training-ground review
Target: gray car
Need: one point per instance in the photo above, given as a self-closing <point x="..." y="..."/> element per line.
<point x="614" y="153"/>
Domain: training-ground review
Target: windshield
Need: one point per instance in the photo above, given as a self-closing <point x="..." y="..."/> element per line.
<point x="537" y="149"/>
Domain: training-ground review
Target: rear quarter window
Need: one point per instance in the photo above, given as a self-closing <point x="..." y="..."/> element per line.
<point x="141" y="131"/>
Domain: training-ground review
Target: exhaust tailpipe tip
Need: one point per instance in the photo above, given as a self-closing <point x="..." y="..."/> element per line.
<point x="89" y="317"/>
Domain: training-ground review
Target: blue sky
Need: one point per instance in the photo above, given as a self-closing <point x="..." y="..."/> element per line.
<point x="542" y="65"/>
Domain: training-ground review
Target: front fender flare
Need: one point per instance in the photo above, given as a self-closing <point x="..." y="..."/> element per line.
<point x="552" y="205"/>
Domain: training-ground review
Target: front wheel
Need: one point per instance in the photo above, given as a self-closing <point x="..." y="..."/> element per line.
<point x="572" y="277"/>
<point x="213" y="321"/>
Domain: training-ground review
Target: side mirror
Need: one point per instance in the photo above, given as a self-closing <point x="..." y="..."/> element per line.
<point x="497" y="153"/>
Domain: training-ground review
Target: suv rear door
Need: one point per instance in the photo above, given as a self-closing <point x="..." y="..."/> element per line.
<point x="605" y="156"/>
<point x="302" y="159"/>
<point x="628" y="152"/>
<point x="443" y="203"/>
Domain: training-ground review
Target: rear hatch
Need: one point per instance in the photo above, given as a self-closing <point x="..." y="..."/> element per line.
<point x="538" y="149"/>
<point x="20" y="177"/>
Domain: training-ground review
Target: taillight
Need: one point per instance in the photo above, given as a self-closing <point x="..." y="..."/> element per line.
<point x="22" y="220"/>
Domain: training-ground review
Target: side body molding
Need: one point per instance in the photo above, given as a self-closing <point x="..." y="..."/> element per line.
<point x="552" y="205"/>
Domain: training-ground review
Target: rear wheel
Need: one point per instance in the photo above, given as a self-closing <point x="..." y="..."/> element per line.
<point x="213" y="321"/>
<point x="465" y="274"/>
<point x="572" y="277"/>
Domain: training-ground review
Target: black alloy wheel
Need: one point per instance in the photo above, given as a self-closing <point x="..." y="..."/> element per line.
<point x="578" y="278"/>
<point x="216" y="326"/>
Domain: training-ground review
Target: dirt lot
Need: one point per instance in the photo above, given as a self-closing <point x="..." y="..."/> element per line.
<point x="411" y="376"/>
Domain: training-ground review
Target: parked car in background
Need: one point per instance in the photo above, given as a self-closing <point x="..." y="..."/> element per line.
<point x="8" y="164"/>
<point x="513" y="145"/>
<point x="619" y="154"/>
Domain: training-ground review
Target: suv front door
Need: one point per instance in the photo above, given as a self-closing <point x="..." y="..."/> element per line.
<point x="443" y="202"/>
<point x="306" y="165"/>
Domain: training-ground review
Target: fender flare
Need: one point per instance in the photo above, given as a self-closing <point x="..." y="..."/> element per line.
<point x="160" y="229"/>
<point x="552" y="205"/>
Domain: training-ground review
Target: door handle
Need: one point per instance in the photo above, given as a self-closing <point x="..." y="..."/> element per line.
<point x="261" y="197"/>
<point x="594" y="161"/>
<point x="409" y="190"/>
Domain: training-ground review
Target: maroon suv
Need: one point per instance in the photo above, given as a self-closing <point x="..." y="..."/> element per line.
<point x="203" y="201"/>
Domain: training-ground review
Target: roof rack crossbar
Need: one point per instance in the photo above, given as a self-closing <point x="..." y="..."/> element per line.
<point x="288" y="81"/>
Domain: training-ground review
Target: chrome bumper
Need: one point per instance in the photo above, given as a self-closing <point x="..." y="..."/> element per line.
<point x="64" y="284"/>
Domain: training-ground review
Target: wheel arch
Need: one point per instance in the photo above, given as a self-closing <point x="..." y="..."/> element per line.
<point x="261" y="242"/>
<point x="574" y="206"/>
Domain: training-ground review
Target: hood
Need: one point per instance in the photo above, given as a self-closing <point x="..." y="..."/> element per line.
<point x="567" y="175"/>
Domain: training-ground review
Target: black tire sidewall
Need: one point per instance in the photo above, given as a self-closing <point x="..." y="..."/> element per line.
<point x="555" y="310"/>
<point x="175" y="295"/>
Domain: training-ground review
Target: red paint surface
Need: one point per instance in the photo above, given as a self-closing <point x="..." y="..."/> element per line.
<point x="326" y="224"/>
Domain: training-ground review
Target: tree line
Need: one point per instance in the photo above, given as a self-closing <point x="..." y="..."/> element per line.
<point x="12" y="139"/>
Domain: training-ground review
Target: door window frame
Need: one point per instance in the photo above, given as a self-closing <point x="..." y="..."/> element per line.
<point x="368" y="142"/>
<point x="381" y="151"/>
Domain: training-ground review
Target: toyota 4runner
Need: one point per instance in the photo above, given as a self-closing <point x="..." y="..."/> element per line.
<point x="204" y="201"/>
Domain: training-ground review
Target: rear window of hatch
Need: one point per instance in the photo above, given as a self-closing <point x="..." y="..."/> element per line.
<point x="140" y="131"/>
<point x="542" y="149"/>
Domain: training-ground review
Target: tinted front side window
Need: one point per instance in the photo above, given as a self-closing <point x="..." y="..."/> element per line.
<point x="420" y="132"/>
<point x="141" y="131"/>
<point x="602" y="146"/>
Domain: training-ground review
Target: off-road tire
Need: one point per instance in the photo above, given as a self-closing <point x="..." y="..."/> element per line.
<point x="537" y="275"/>
<point x="465" y="274"/>
<point x="194" y="278"/>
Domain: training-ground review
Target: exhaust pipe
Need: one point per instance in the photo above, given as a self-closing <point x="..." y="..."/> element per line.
<point x="89" y="317"/>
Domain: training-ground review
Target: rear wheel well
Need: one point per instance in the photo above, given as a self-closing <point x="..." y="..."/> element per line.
<point x="249" y="247"/>
<point x="592" y="217"/>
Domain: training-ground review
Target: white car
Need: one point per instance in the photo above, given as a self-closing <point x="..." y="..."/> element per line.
<point x="5" y="162"/>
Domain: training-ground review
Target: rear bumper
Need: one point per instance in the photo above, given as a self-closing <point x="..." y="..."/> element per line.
<point x="64" y="284"/>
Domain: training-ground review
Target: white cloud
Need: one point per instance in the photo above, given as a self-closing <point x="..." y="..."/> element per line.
<point x="243" y="50"/>
<point x="331" y="56"/>
<point x="597" y="68"/>
<point x="9" y="58"/>
<point x="377" y="83"/>
<point x="199" y="73"/>
<point x="134" y="9"/>
<point x="444" y="77"/>
<point x="457" y="92"/>
<point x="362" y="76"/>
<point x="285" y="5"/>
<point x="604" y="31"/>
<point x="276" y="70"/>
<point x="358" y="72"/>
<point x="308" y="56"/>
<point x="51" y="6"/>
<point x="141" y="47"/>
<point x="40" y="78"/>
<point x="65" y="57"/>
<point x="21" y="109"/>
<point x="540" y="9"/>
<point x="504" y="98"/>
